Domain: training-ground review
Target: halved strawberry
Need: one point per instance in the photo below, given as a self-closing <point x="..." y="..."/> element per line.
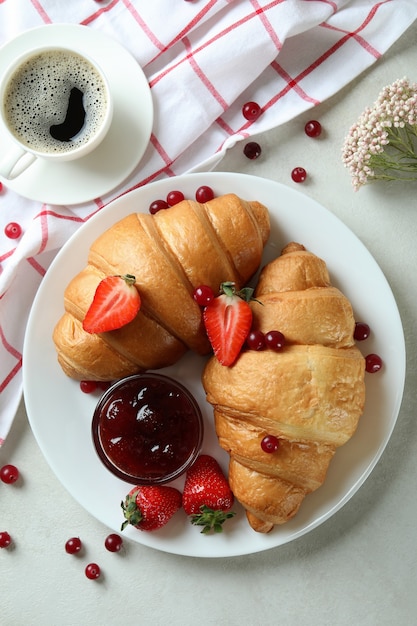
<point x="228" y="319"/>
<point x="207" y="496"/>
<point x="149" y="507"/>
<point x="116" y="302"/>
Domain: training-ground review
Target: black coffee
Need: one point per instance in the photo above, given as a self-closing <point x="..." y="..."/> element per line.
<point x="74" y="119"/>
<point x="55" y="101"/>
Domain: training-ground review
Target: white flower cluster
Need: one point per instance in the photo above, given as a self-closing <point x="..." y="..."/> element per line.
<point x="382" y="145"/>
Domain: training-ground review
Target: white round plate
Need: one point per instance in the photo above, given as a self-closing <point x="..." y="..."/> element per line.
<point x="60" y="414"/>
<point x="119" y="153"/>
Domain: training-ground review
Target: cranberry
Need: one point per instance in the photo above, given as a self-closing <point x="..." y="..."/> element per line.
<point x="73" y="545"/>
<point x="9" y="474"/>
<point x="203" y="295"/>
<point x="362" y="331"/>
<point x="373" y="363"/>
<point x="251" y="111"/>
<point x="13" y="230"/>
<point x="92" y="571"/>
<point x="174" y="197"/>
<point x="270" y="444"/>
<point x="157" y="205"/>
<point x="256" y="340"/>
<point x="88" y="386"/>
<point x="5" y="539"/>
<point x="113" y="543"/>
<point x="204" y="194"/>
<point x="252" y="150"/>
<point x="1" y="187"/>
<point x="275" y="340"/>
<point x="313" y="128"/>
<point x="298" y="174"/>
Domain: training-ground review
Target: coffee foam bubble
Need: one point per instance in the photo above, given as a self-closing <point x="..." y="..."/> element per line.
<point x="37" y="98"/>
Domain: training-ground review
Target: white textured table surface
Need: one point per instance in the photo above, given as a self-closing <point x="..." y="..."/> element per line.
<point x="358" y="568"/>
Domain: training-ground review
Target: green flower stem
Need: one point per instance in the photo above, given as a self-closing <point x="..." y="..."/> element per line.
<point x="387" y="177"/>
<point x="403" y="142"/>
<point x="383" y="161"/>
<point x="398" y="156"/>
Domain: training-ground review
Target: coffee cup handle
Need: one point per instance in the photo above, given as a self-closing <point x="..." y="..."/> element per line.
<point x="16" y="162"/>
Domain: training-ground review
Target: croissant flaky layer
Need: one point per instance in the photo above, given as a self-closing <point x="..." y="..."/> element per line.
<point x="170" y="253"/>
<point x="310" y="395"/>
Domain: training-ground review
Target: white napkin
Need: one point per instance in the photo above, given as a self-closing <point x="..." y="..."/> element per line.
<point x="204" y="59"/>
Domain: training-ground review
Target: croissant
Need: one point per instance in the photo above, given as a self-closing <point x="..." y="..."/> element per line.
<point x="309" y="396"/>
<point x="170" y="253"/>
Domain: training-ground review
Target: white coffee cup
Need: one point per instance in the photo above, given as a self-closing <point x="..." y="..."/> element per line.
<point x="55" y="105"/>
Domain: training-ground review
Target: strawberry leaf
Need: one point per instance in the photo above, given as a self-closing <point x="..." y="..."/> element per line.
<point x="212" y="521"/>
<point x="131" y="511"/>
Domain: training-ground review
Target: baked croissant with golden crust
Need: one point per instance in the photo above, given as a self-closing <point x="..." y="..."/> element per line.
<point x="170" y="253"/>
<point x="309" y="396"/>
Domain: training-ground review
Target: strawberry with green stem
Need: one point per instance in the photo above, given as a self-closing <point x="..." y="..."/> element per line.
<point x="228" y="320"/>
<point x="207" y="497"/>
<point x="116" y="302"/>
<point x="150" y="507"/>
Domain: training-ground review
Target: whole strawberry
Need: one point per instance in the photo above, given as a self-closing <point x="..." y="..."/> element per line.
<point x="149" y="507"/>
<point x="227" y="320"/>
<point x="207" y="496"/>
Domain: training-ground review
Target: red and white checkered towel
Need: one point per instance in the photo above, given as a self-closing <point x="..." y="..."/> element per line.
<point x="204" y="59"/>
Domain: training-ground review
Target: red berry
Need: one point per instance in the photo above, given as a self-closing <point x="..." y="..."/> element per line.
<point x="228" y="321"/>
<point x="362" y="331"/>
<point x="203" y="295"/>
<point x="113" y="542"/>
<point x="5" y="539"/>
<point x="116" y="302"/>
<point x="251" y="111"/>
<point x="204" y="194"/>
<point x="373" y="363"/>
<point x="9" y="474"/>
<point x="88" y="386"/>
<point x="174" y="197"/>
<point x="275" y="340"/>
<point x="73" y="545"/>
<point x="1" y="187"/>
<point x="298" y="174"/>
<point x="92" y="571"/>
<point x="150" y="507"/>
<point x="207" y="496"/>
<point x="312" y="128"/>
<point x="13" y="230"/>
<point x="270" y="444"/>
<point x="252" y="150"/>
<point x="158" y="205"/>
<point x="256" y="340"/>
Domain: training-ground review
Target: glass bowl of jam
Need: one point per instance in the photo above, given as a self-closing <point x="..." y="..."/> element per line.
<point x="147" y="429"/>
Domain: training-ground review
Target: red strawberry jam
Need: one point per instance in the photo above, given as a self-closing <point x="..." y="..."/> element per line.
<point x="147" y="429"/>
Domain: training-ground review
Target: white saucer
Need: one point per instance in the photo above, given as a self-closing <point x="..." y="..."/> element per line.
<point x="123" y="147"/>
